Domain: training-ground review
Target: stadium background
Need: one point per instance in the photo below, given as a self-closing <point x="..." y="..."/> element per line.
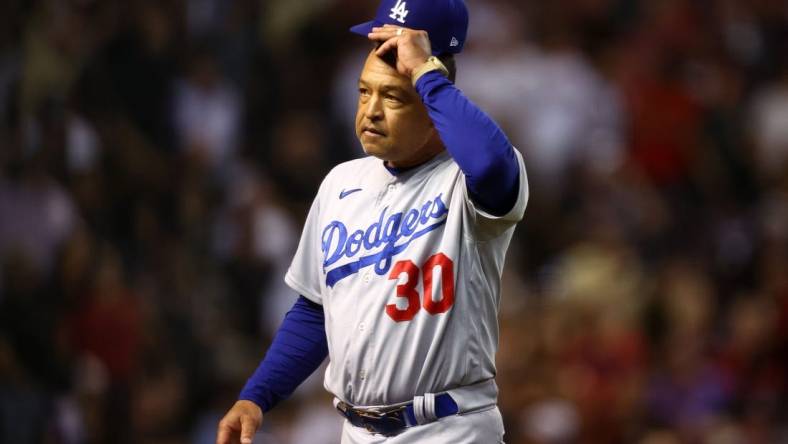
<point x="157" y="158"/>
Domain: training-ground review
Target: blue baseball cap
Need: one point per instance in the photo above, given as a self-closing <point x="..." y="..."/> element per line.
<point x="446" y="21"/>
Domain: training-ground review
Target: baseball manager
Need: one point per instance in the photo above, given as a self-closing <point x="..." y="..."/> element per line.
<point x="400" y="260"/>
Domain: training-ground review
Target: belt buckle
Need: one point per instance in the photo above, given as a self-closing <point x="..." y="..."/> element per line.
<point x="386" y="423"/>
<point x="371" y="414"/>
<point x="378" y="413"/>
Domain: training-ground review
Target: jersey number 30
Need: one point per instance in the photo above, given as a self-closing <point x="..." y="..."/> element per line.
<point x="408" y="291"/>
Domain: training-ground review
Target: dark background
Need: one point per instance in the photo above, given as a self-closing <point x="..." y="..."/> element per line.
<point x="157" y="158"/>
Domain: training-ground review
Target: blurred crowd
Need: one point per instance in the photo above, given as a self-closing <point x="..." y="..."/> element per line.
<point x="158" y="157"/>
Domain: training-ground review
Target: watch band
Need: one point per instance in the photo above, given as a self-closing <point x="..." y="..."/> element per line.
<point x="432" y="64"/>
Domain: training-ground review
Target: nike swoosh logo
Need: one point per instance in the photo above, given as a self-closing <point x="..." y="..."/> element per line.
<point x="345" y="193"/>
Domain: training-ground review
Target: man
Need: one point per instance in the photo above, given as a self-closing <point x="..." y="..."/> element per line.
<point x="400" y="260"/>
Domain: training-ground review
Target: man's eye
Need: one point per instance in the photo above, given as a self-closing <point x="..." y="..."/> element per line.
<point x="392" y="98"/>
<point x="363" y="91"/>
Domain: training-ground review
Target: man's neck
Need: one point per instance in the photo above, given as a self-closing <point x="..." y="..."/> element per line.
<point x="398" y="168"/>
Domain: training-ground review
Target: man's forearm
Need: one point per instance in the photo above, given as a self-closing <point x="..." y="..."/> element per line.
<point x="475" y="141"/>
<point x="298" y="349"/>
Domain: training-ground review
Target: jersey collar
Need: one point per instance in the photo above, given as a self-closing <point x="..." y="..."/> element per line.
<point x="401" y="172"/>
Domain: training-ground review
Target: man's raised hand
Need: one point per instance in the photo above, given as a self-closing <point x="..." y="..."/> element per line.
<point x="412" y="46"/>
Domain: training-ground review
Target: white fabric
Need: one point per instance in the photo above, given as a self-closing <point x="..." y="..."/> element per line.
<point x="429" y="407"/>
<point x="418" y="410"/>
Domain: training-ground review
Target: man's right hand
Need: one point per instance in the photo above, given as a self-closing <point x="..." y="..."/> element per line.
<point x="240" y="424"/>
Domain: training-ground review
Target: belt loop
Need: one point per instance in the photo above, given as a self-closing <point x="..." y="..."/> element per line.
<point x="429" y="407"/>
<point x="418" y="410"/>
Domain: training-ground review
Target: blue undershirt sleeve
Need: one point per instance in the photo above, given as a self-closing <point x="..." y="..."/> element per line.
<point x="298" y="349"/>
<point x="476" y="143"/>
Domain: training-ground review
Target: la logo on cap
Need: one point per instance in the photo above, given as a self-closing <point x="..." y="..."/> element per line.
<point x="399" y="11"/>
<point x="446" y="21"/>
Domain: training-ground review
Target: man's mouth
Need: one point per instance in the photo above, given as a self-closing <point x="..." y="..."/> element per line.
<point x="372" y="131"/>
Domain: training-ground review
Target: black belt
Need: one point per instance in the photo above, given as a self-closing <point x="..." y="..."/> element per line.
<point x="391" y="422"/>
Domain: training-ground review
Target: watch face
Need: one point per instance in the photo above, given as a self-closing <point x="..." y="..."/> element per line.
<point x="433" y="63"/>
<point x="436" y="62"/>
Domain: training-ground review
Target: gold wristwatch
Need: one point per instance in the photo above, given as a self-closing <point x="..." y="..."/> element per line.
<point x="432" y="64"/>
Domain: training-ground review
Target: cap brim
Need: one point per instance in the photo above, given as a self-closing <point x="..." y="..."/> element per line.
<point x="365" y="28"/>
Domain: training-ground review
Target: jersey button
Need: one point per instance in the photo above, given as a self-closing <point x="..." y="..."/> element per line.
<point x="362" y="374"/>
<point x="392" y="187"/>
<point x="361" y="327"/>
<point x="367" y="278"/>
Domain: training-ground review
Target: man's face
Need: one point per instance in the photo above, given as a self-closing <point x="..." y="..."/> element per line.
<point x="392" y="122"/>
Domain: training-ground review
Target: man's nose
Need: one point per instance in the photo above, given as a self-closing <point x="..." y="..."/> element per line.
<point x="374" y="110"/>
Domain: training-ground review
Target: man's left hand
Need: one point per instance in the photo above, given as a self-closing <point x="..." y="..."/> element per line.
<point x="412" y="46"/>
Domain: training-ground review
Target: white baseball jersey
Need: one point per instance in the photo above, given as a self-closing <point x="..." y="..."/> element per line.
<point x="408" y="271"/>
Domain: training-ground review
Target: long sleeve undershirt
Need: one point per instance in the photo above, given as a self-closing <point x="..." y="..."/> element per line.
<point x="298" y="349"/>
<point x="476" y="143"/>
